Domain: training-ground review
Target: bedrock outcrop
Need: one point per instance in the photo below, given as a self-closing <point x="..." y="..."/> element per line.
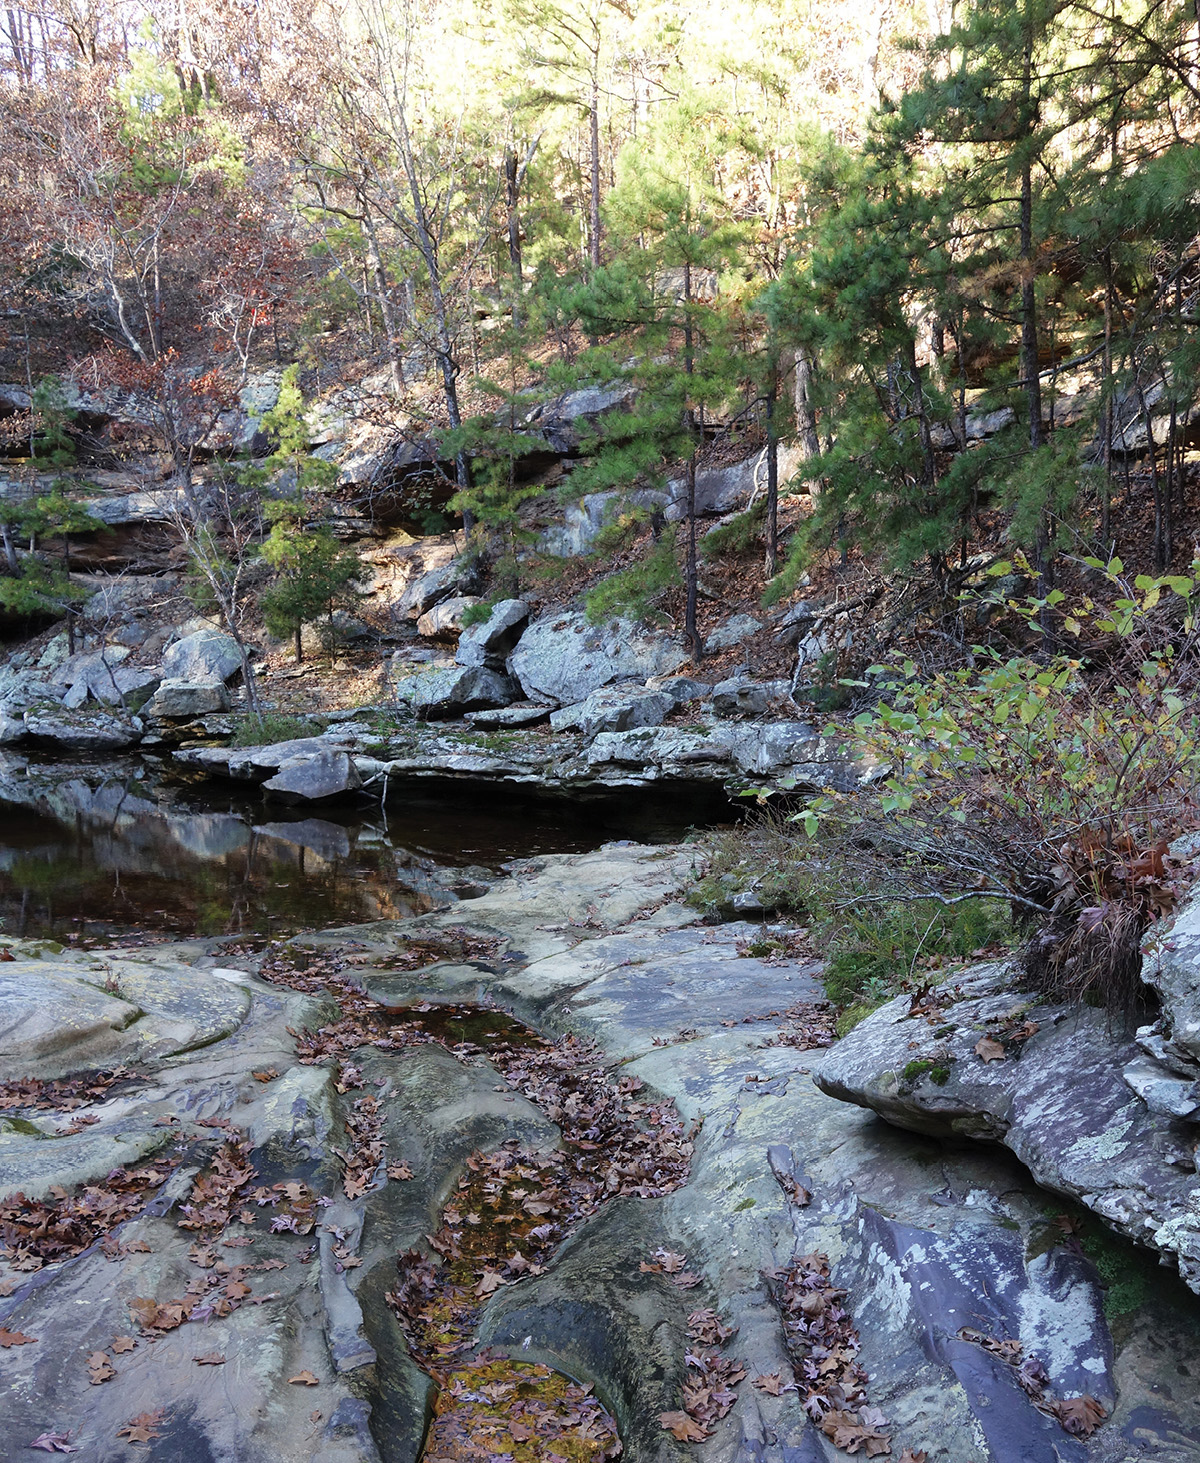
<point x="925" y="1237"/>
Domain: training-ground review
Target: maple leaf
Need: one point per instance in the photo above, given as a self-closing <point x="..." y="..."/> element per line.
<point x="303" y="1379"/>
<point x="54" y="1443"/>
<point x="686" y="1429"/>
<point x="989" y="1050"/>
<point x="15" y="1338"/>
<point x="1080" y="1416"/>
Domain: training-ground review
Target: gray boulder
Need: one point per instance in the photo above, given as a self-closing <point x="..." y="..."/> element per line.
<point x="328" y="633"/>
<point x="1172" y="968"/>
<point x="457" y="577"/>
<point x="614" y="709"/>
<point x="314" y="776"/>
<point x="180" y="700"/>
<point x="520" y="713"/>
<point x="561" y="658"/>
<point x="681" y="688"/>
<point x="80" y="732"/>
<point x="207" y="655"/>
<point x="734" y="631"/>
<point x="740" y="696"/>
<point x="445" y="620"/>
<point x="443" y="693"/>
<point x="1047" y="1082"/>
<point x="489" y="641"/>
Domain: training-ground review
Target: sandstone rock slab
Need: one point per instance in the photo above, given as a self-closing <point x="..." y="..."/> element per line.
<point x="561" y="658"/>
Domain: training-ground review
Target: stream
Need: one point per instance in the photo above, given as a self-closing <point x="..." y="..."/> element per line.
<point x="95" y="856"/>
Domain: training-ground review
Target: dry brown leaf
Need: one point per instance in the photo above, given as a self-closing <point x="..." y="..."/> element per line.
<point x="989" y="1050"/>
<point x="100" y="1368"/>
<point x="686" y="1429"/>
<point x="15" y="1338"/>
<point x="770" y="1382"/>
<point x="1080" y="1416"/>
<point x="143" y="1428"/>
<point x="122" y="1343"/>
<point x="303" y="1379"/>
<point x="210" y="1358"/>
<point x="399" y="1171"/>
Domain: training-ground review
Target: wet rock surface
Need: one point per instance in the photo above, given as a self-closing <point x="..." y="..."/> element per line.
<point x="1046" y="1081"/>
<point x="940" y="1249"/>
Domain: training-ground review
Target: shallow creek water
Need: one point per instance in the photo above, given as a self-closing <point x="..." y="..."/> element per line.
<point x="100" y="856"/>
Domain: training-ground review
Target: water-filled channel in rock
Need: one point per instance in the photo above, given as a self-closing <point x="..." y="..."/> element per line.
<point x="511" y="1209"/>
<point x="93" y="855"/>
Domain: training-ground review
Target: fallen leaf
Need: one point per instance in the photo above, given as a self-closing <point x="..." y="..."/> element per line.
<point x="54" y="1443"/>
<point x="908" y="1456"/>
<point x="15" y="1338"/>
<point x="100" y="1368"/>
<point x="686" y="1429"/>
<point x="142" y="1428"/>
<point x="303" y="1379"/>
<point x="989" y="1050"/>
<point x="399" y="1171"/>
<point x="268" y="1076"/>
<point x="1080" y="1416"/>
<point x="122" y="1343"/>
<point x="770" y="1382"/>
<point x="210" y="1358"/>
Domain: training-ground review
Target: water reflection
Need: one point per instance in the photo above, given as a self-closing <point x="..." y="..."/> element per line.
<point x="93" y="857"/>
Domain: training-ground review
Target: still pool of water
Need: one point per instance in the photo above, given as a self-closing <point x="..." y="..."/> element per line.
<point x="94" y="858"/>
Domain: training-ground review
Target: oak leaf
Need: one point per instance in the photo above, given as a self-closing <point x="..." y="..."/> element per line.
<point x="1080" y="1416"/>
<point x="988" y="1050"/>
<point x="15" y="1338"/>
<point x="686" y="1429"/>
<point x="210" y="1358"/>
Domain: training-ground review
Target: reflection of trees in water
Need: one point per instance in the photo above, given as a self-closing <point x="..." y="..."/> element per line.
<point x="122" y="870"/>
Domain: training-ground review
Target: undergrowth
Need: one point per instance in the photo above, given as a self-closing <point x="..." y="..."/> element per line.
<point x="273" y="726"/>
<point x="872" y="948"/>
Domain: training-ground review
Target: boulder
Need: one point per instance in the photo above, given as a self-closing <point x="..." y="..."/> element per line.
<point x="1172" y="968"/>
<point x="86" y="732"/>
<point x="682" y="688"/>
<point x="489" y="641"/>
<point x="445" y="620"/>
<point x="520" y="713"/>
<point x="443" y="693"/>
<point x="734" y="631"/>
<point x="328" y="633"/>
<point x="740" y="696"/>
<point x="180" y="700"/>
<point x="314" y="776"/>
<point x="562" y="659"/>
<point x="614" y="709"/>
<point x="207" y="655"/>
<point x="459" y="576"/>
<point x="585" y="520"/>
<point x="1048" y="1082"/>
<point x="731" y="489"/>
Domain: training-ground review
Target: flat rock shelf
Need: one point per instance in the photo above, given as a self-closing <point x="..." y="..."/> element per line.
<point x="539" y="1172"/>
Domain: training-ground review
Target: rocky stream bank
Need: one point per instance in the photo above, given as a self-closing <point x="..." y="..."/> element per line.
<point x="207" y="1256"/>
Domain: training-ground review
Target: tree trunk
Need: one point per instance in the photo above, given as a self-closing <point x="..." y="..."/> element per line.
<point x="299" y="640"/>
<point x="692" y="577"/>
<point x="512" y="193"/>
<point x="771" y="562"/>
<point x="806" y="417"/>
<point x="594" y="211"/>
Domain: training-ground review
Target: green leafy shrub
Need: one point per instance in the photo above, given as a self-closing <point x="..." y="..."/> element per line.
<point x="1045" y="783"/>
<point x="632" y="592"/>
